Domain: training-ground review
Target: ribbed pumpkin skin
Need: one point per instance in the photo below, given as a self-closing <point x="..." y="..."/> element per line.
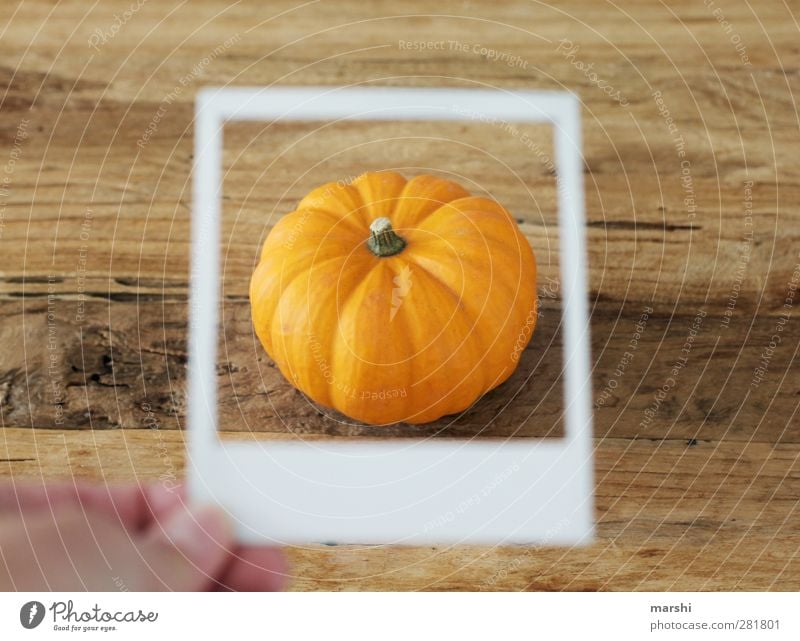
<point x="409" y="337"/>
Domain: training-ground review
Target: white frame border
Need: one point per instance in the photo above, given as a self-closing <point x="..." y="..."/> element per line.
<point x="522" y="490"/>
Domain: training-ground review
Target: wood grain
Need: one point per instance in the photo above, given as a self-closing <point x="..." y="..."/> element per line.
<point x="123" y="364"/>
<point x="693" y="205"/>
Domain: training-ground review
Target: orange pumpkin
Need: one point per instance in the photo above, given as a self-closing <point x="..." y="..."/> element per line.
<point x="395" y="300"/>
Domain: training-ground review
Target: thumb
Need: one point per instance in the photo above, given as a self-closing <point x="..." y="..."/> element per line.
<point x="187" y="550"/>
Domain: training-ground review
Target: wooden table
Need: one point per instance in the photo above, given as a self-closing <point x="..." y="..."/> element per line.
<point x="692" y="185"/>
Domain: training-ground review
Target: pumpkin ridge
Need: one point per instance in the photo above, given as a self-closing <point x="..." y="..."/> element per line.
<point x="326" y="197"/>
<point x="498" y="282"/>
<point x="343" y="356"/>
<point x="345" y="222"/>
<point x="459" y="298"/>
<point x="285" y="284"/>
<point x="428" y="189"/>
<point x="346" y="301"/>
<point x="415" y="382"/>
<point x="487" y="228"/>
<point x="495" y="244"/>
<point x="313" y="330"/>
<point x="375" y="189"/>
<point x="469" y="318"/>
<point x="492" y="242"/>
<point x="441" y="285"/>
<point x="417" y="222"/>
<point x="292" y="234"/>
<point x="489" y="339"/>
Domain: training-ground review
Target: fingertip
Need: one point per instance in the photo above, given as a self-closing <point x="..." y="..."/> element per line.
<point x="196" y="531"/>
<point x="189" y="549"/>
<point x="162" y="499"/>
<point x="126" y="502"/>
<point x="258" y="569"/>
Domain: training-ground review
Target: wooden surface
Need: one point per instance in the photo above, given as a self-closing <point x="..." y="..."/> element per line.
<point x="691" y="134"/>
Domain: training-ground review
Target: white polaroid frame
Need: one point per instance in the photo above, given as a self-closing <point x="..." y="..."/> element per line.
<point x="401" y="491"/>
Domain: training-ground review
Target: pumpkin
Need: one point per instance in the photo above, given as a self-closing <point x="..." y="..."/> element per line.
<point x="395" y="300"/>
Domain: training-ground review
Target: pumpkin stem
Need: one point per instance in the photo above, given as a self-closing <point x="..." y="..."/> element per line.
<point x="384" y="242"/>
